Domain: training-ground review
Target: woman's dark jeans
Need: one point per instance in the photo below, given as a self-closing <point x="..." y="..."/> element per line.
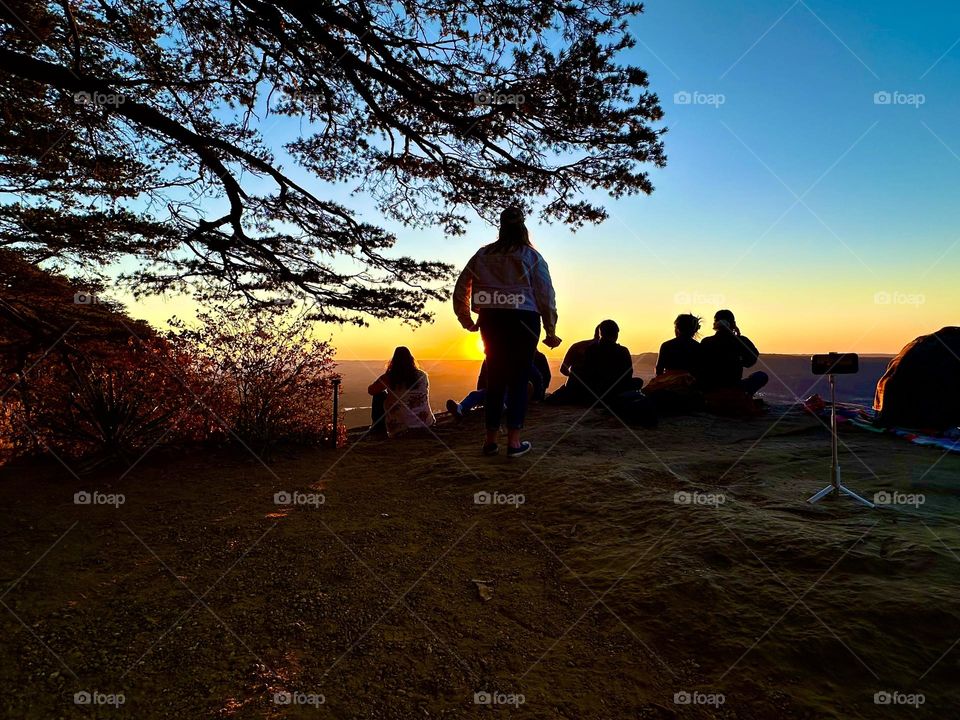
<point x="510" y="339"/>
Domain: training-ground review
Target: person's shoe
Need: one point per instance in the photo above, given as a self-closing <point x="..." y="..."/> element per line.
<point x="491" y="449"/>
<point x="524" y="448"/>
<point x="453" y="407"/>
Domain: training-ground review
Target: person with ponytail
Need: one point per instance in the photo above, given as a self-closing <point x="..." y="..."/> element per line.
<point x="725" y="354"/>
<point x="508" y="285"/>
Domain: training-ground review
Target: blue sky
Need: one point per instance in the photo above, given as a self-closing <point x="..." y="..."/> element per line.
<point x="824" y="219"/>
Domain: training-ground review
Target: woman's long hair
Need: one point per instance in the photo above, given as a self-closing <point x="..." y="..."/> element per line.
<point x="513" y="233"/>
<point x="402" y="371"/>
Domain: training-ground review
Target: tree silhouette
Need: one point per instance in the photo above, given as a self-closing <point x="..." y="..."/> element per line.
<point x="140" y="128"/>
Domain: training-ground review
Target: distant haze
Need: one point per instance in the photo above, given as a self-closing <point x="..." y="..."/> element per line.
<point x="790" y="378"/>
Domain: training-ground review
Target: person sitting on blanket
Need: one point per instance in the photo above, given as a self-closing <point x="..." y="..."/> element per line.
<point x="401" y="396"/>
<point x="682" y="353"/>
<point x="674" y="388"/>
<point x="607" y="369"/>
<point x="725" y="354"/>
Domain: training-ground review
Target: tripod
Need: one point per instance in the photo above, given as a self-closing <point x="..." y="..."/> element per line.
<point x="835" y="485"/>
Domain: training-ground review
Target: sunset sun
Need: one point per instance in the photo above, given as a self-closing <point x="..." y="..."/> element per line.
<point x="473" y="347"/>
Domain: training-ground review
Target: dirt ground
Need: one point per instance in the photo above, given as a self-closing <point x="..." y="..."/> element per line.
<point x="611" y="573"/>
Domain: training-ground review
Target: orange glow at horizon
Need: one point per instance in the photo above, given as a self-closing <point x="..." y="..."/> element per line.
<point x="828" y="315"/>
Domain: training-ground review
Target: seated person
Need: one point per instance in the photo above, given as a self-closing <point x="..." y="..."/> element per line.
<point x="473" y="399"/>
<point x="674" y="389"/>
<point x="576" y="352"/>
<point x="404" y="391"/>
<point x="725" y="354"/>
<point x="539" y="382"/>
<point x="682" y="353"/>
<point x="607" y="368"/>
<point x="540" y="376"/>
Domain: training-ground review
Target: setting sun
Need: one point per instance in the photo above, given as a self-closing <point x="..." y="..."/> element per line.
<point x="473" y="347"/>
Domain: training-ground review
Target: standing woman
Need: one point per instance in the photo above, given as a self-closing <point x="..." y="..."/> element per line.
<point x="507" y="283"/>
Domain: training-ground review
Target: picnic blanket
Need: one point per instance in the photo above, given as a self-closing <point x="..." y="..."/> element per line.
<point x="863" y="418"/>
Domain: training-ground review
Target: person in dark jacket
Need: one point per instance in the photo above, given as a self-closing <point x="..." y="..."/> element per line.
<point x="682" y="353"/>
<point x="577" y="351"/>
<point x="540" y="376"/>
<point x="607" y="368"/>
<point x="725" y="354"/>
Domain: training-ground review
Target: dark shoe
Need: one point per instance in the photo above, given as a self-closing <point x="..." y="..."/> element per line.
<point x="524" y="448"/>
<point x="491" y="449"/>
<point x="453" y="408"/>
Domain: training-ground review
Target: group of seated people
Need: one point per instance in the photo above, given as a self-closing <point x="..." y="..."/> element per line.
<point x="690" y="375"/>
<point x="717" y="361"/>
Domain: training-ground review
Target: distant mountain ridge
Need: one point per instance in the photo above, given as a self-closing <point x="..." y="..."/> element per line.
<point x="790" y="379"/>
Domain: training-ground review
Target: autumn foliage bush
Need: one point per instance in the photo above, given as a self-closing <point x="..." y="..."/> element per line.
<point x="104" y="402"/>
<point x="262" y="375"/>
<point x="84" y="380"/>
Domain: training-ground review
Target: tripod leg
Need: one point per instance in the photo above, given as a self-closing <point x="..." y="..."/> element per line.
<point x="851" y="493"/>
<point x="820" y="495"/>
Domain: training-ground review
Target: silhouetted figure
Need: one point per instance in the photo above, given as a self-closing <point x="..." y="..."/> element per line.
<point x="402" y="396"/>
<point x="542" y="376"/>
<point x="724" y="356"/>
<point x="537" y="387"/>
<point x="682" y="353"/>
<point x="607" y="368"/>
<point x="508" y="284"/>
<point x="577" y="352"/>
<point x="378" y="425"/>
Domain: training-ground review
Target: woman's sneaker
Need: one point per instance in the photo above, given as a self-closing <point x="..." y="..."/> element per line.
<point x="453" y="408"/>
<point x="491" y="449"/>
<point x="524" y="448"/>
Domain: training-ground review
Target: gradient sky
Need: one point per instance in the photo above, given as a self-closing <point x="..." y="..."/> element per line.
<point x="824" y="220"/>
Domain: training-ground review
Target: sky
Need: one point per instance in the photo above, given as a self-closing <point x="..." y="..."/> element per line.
<point x="813" y="165"/>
